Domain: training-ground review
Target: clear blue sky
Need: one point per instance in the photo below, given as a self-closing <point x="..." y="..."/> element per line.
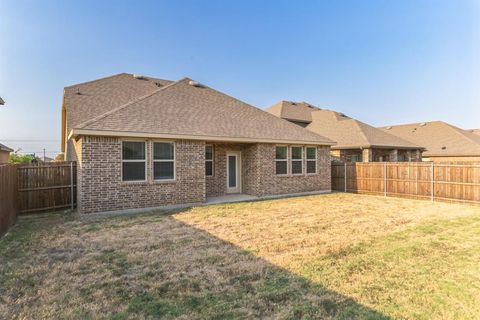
<point x="383" y="62"/>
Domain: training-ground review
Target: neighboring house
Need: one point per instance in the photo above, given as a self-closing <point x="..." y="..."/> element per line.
<point x="356" y="141"/>
<point x="144" y="142"/>
<point x="4" y="154"/>
<point x="443" y="142"/>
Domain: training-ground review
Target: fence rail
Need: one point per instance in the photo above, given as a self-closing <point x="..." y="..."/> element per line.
<point x="47" y="187"/>
<point x="8" y="197"/>
<point x="423" y="180"/>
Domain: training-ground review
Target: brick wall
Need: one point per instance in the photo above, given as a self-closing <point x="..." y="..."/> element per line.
<point x="102" y="188"/>
<point x="217" y="184"/>
<point x="269" y="183"/>
<point x="100" y="185"/>
<point x="258" y="172"/>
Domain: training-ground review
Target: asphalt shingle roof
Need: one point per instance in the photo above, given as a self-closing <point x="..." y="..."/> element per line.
<point x="439" y="138"/>
<point x="180" y="108"/>
<point x="87" y="100"/>
<point x="347" y="132"/>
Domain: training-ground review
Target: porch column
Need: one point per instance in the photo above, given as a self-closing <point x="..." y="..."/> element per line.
<point x="418" y="155"/>
<point x="367" y="155"/>
<point x="393" y="155"/>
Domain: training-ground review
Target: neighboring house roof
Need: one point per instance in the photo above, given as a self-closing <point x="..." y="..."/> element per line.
<point x="475" y="131"/>
<point x="347" y="132"/>
<point x="5" y="148"/>
<point x="179" y="110"/>
<point x="292" y="111"/>
<point x="87" y="100"/>
<point x="439" y="138"/>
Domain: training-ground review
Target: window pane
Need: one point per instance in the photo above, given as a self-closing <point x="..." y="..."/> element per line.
<point x="296" y="167"/>
<point x="209" y="153"/>
<point x="232" y="171"/>
<point x="209" y="168"/>
<point x="163" y="170"/>
<point x="311" y="153"/>
<point x="311" y="167"/>
<point x="281" y="153"/>
<point x="133" y="150"/>
<point x="133" y="171"/>
<point x="163" y="151"/>
<point x="296" y="152"/>
<point x="281" y="167"/>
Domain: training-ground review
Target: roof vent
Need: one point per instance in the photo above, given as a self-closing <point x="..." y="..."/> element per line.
<point x="195" y="84"/>
<point x="138" y="76"/>
<point x="423" y="124"/>
<point x="389" y="127"/>
<point x="443" y="148"/>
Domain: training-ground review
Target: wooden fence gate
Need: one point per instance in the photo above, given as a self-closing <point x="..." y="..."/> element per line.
<point x="423" y="180"/>
<point x="47" y="187"/>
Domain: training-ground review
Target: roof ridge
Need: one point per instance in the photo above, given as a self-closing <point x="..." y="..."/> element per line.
<point x="356" y="122"/>
<point x="106" y="114"/>
<point x="96" y="80"/>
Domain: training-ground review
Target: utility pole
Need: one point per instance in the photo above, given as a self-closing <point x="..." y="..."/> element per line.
<point x="43" y="155"/>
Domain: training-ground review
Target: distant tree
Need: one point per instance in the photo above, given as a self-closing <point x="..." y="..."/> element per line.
<point x="60" y="157"/>
<point x="16" y="158"/>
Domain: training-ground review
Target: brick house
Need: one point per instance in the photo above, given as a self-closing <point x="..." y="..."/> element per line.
<point x="356" y="141"/>
<point x="143" y="142"/>
<point x="443" y="142"/>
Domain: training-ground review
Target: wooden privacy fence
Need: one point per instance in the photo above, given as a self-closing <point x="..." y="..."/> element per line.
<point x="423" y="180"/>
<point x="8" y="197"/>
<point x="47" y="187"/>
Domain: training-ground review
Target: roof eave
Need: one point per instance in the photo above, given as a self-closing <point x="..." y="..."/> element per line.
<point x="377" y="147"/>
<point x="74" y="133"/>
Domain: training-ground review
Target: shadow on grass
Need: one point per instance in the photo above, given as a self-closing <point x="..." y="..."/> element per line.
<point x="158" y="267"/>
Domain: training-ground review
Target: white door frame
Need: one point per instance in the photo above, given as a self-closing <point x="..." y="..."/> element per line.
<point x="238" y="162"/>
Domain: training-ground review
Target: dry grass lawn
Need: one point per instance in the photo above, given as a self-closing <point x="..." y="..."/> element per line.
<point x="337" y="256"/>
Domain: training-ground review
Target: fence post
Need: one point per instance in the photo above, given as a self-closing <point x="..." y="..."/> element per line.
<point x="71" y="183"/>
<point x="385" y="179"/>
<point x="345" y="175"/>
<point x="432" y="185"/>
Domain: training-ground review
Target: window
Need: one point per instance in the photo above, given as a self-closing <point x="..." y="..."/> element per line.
<point x="209" y="160"/>
<point x="297" y="160"/>
<point x="163" y="161"/>
<point x="311" y="160"/>
<point x="281" y="160"/>
<point x="133" y="161"/>
<point x="355" y="158"/>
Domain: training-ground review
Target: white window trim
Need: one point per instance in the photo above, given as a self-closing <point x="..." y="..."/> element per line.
<point x="144" y="160"/>
<point x="311" y="160"/>
<point x="297" y="160"/>
<point x="211" y="160"/>
<point x="281" y="160"/>
<point x="174" y="160"/>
